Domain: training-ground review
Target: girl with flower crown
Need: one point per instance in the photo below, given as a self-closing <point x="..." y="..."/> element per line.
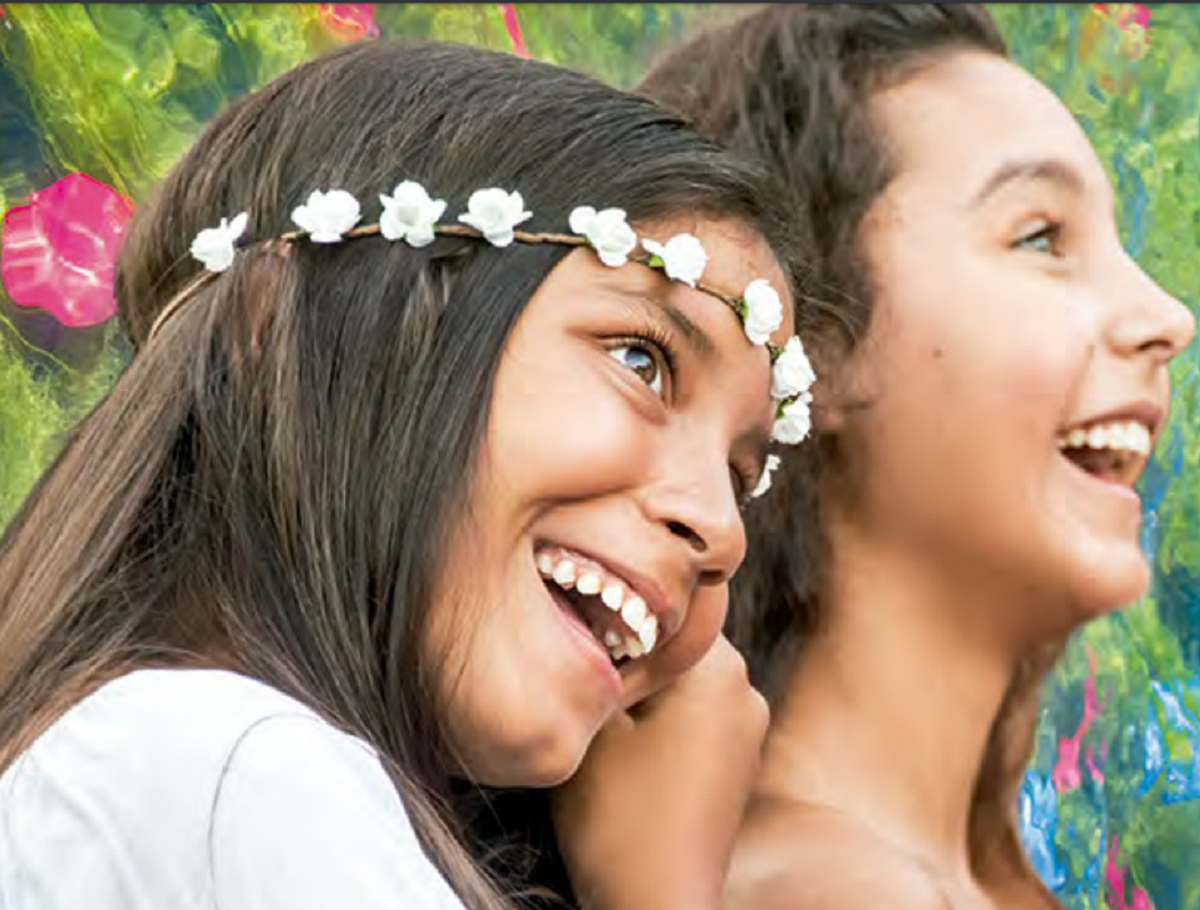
<point x="994" y="375"/>
<point x="453" y="375"/>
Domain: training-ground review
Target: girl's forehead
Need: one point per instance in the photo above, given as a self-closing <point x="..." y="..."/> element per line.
<point x="738" y="254"/>
<point x="949" y="123"/>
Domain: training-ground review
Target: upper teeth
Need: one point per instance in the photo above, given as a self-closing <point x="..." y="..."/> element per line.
<point x="568" y="571"/>
<point x="1128" y="436"/>
<point x="564" y="574"/>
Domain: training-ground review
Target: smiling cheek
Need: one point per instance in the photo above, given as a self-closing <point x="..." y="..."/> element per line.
<point x="568" y="440"/>
<point x="519" y="707"/>
<point x="1020" y="377"/>
<point x="970" y="390"/>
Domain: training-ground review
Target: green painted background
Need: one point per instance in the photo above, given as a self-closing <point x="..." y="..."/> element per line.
<point x="1111" y="804"/>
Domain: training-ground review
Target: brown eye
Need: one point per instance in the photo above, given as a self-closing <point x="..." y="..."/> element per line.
<point x="643" y="360"/>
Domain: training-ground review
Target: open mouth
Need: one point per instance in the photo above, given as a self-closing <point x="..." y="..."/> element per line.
<point x="607" y="605"/>
<point x="1113" y="451"/>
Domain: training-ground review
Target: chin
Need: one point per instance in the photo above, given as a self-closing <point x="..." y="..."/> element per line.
<point x="539" y="762"/>
<point x="553" y="774"/>
<point x="1111" y="585"/>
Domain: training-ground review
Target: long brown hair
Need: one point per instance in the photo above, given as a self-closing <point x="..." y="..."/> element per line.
<point x="791" y="85"/>
<point x="268" y="485"/>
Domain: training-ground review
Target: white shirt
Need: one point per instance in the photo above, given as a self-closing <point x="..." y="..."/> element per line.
<point x="205" y="790"/>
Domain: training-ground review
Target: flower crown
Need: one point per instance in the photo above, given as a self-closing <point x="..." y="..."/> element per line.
<point x="409" y="214"/>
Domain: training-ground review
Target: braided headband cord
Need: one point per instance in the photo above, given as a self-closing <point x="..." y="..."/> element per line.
<point x="451" y="230"/>
<point x="175" y="303"/>
<point x="411" y="215"/>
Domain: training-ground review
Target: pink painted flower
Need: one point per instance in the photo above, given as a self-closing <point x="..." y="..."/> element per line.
<point x="1114" y="875"/>
<point x="59" y="252"/>
<point x="1066" y="773"/>
<point x="512" y="25"/>
<point x="1131" y="22"/>
<point x="1093" y="767"/>
<point x="348" y="21"/>
<point x="1124" y="15"/>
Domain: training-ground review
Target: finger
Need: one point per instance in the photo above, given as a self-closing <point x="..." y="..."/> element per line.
<point x="714" y="694"/>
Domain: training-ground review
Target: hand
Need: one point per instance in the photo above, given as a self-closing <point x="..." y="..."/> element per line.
<point x="648" y="821"/>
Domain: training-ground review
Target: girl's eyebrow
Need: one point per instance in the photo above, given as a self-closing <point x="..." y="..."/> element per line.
<point x="696" y="338"/>
<point x="1049" y="170"/>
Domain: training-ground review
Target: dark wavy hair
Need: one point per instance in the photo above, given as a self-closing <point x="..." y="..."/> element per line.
<point x="791" y="86"/>
<point x="269" y="484"/>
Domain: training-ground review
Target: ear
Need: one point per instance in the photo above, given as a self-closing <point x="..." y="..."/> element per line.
<point x="832" y="400"/>
<point x="828" y="419"/>
<point x="845" y="378"/>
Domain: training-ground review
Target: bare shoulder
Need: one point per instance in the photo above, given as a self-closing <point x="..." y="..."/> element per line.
<point x="809" y="858"/>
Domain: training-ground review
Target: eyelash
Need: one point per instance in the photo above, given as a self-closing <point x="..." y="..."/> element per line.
<point x="1051" y="230"/>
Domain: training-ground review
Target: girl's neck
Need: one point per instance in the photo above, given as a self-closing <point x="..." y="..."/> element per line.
<point x="887" y="714"/>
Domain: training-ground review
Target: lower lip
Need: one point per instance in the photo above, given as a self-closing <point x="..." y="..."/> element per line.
<point x="1119" y="490"/>
<point x="590" y="648"/>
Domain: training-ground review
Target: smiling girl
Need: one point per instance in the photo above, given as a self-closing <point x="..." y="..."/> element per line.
<point x="993" y="379"/>
<point x="453" y="374"/>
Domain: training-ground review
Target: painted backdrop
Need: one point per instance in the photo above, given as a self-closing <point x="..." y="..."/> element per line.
<point x="97" y="101"/>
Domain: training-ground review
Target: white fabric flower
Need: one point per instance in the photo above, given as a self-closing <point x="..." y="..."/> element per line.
<point x="794" y="422"/>
<point x="325" y="217"/>
<point x="214" y="246"/>
<point x="792" y="372"/>
<point x="607" y="231"/>
<point x="683" y="257"/>
<point x="764" y="482"/>
<point x="764" y="310"/>
<point x="409" y="214"/>
<point x="495" y="213"/>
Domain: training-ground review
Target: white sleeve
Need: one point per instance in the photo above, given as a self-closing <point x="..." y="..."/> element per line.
<point x="305" y="818"/>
